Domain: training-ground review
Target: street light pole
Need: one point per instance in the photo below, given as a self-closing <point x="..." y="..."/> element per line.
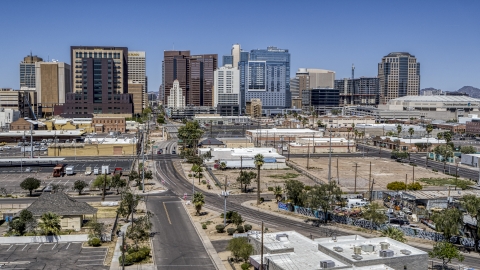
<point x="225" y="195"/>
<point x="330" y="158"/>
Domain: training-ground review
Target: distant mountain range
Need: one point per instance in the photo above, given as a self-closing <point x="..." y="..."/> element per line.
<point x="470" y="90"/>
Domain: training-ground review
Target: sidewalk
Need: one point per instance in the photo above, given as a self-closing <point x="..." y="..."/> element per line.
<point x="117" y="253"/>
<point x="299" y="218"/>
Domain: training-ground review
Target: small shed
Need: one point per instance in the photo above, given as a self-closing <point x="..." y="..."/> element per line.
<point x="211" y="143"/>
<point x="72" y="211"/>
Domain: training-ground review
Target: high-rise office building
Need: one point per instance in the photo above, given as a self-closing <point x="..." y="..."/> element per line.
<point x="201" y="70"/>
<point x="137" y="73"/>
<point x="27" y="71"/>
<point x="100" y="81"/>
<point x="320" y="98"/>
<point x="52" y="82"/>
<point x="175" y="66"/>
<point x="236" y="51"/>
<point x="227" y="60"/>
<point x="359" y="91"/>
<point x="309" y="78"/>
<point x="176" y="99"/>
<point x="266" y="75"/>
<point x="138" y="96"/>
<point x="399" y="76"/>
<point x="227" y="86"/>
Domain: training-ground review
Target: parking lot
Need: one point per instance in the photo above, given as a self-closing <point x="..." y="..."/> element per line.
<point x="11" y="177"/>
<point x="17" y="152"/>
<point x="70" y="255"/>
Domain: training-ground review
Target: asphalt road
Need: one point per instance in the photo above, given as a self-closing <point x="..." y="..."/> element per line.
<point x="178" y="185"/>
<point x="175" y="242"/>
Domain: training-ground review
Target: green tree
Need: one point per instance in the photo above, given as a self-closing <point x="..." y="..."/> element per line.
<point x="468" y="149"/>
<point x="140" y="232"/>
<point x="277" y="191"/>
<point x="223" y="166"/>
<point x="30" y="184"/>
<point x="399" y="131"/>
<point x="118" y="182"/>
<point x="445" y="151"/>
<point x="240" y="248"/>
<point x="320" y="124"/>
<point x="445" y="251"/>
<point x="197" y="170"/>
<point x="414" y="186"/>
<point x="375" y="214"/>
<point x="102" y="180"/>
<point x="304" y="121"/>
<point x="324" y="196"/>
<point x="128" y="204"/>
<point x="471" y="204"/>
<point x="258" y="160"/>
<point x="79" y="186"/>
<point x="96" y="229"/>
<point x="294" y="189"/>
<point x="448" y="222"/>
<point x="394" y="233"/>
<point x="245" y="178"/>
<point x="236" y="219"/>
<point x="25" y="222"/>
<point x="133" y="176"/>
<point x="397" y="185"/>
<point x="198" y="201"/>
<point x="50" y="224"/>
<point x="189" y="135"/>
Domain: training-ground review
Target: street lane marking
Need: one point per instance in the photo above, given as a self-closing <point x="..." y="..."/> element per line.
<point x="165" y="206"/>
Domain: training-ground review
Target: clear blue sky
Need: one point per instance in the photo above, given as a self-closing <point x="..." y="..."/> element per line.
<point x="443" y="35"/>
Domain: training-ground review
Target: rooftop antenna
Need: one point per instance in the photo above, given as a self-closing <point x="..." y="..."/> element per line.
<point x="353" y="83"/>
<point x="174" y="46"/>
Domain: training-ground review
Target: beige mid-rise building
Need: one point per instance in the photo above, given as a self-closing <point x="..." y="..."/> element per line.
<point x="310" y="78"/>
<point x="138" y="96"/>
<point x="52" y="83"/>
<point x="137" y="73"/>
<point x="254" y="107"/>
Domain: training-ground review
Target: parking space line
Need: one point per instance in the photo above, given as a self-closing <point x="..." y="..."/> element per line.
<point x="39" y="246"/>
<point x="68" y="245"/>
<point x="24" y="247"/>
<point x="9" y="247"/>
<point x="54" y="246"/>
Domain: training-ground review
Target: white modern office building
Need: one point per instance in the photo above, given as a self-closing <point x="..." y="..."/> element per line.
<point x="226" y="86"/>
<point x="176" y="99"/>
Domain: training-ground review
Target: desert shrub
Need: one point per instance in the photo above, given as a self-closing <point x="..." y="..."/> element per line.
<point x="240" y="229"/>
<point x="94" y="242"/>
<point x="245" y="266"/>
<point x="247" y="227"/>
<point x="270" y="188"/>
<point x="128" y="260"/>
<point x="204" y="226"/>
<point x="220" y="228"/>
<point x="231" y="231"/>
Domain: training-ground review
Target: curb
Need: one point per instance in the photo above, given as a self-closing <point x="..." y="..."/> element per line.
<point x="212" y="253"/>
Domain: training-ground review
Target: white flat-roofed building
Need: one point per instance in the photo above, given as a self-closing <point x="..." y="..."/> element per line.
<point x="275" y="137"/>
<point x="291" y="250"/>
<point x="322" y="145"/>
<point x="244" y="157"/>
<point x="226" y="86"/>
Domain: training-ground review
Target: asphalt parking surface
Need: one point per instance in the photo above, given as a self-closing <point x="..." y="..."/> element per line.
<point x="51" y="256"/>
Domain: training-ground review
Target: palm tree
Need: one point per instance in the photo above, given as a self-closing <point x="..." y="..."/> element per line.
<point x="197" y="169"/>
<point x="355" y="132"/>
<point x="304" y="121"/>
<point x="429" y="130"/>
<point x="411" y="131"/>
<point x="50" y="224"/>
<point x="198" y="201"/>
<point x="258" y="163"/>
<point x="394" y="233"/>
<point x="223" y="166"/>
<point x="277" y="191"/>
<point x="399" y="130"/>
<point x="319" y="123"/>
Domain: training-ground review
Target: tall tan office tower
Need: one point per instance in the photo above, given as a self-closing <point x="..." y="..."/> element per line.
<point x="137" y="75"/>
<point x="52" y="83"/>
<point x="399" y="76"/>
<point x="174" y="67"/>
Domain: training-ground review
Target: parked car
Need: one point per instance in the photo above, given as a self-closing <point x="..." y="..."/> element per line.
<point x="28" y="169"/>
<point x="7" y="147"/>
<point x="43" y="148"/>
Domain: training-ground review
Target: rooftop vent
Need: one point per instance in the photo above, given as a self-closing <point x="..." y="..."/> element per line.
<point x="357" y="250"/>
<point x="368" y="248"/>
<point x="281" y="237"/>
<point x="327" y="264"/>
<point x="405" y="251"/>
<point x="387" y="253"/>
<point x="357" y="257"/>
<point x="338" y="249"/>
<point x="384" y="245"/>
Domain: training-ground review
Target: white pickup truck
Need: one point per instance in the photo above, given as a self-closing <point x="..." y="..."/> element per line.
<point x="88" y="170"/>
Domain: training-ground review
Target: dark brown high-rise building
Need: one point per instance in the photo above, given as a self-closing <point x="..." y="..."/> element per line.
<point x="174" y="67"/>
<point x="202" y="67"/>
<point x="195" y="74"/>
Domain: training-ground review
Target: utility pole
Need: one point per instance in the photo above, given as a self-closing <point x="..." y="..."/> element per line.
<point x="308" y="157"/>
<point x="288" y="158"/>
<point x="406" y="175"/>
<point x="355" y="187"/>
<point x="338" y="177"/>
<point x="313" y="142"/>
<point x="31" y="140"/>
<point x="261" y="251"/>
<point x="370" y="175"/>
<point x="104" y="186"/>
<point x="371" y="190"/>
<point x="123" y="250"/>
<point x="413" y="173"/>
<point x="225" y="195"/>
<point x="143" y="165"/>
<point x="330" y="159"/>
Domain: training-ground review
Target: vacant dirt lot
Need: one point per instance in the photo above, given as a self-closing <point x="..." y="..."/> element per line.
<point x="268" y="178"/>
<point x="384" y="171"/>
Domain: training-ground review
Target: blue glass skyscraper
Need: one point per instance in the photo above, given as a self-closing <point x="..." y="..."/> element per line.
<point x="265" y="74"/>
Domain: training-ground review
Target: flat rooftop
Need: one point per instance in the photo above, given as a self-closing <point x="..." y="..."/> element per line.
<point x="283" y="130"/>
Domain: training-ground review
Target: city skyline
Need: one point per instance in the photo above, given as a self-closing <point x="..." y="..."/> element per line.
<point x="439" y="35"/>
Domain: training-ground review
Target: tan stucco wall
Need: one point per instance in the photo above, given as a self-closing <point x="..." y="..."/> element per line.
<point x="69" y="222"/>
<point x="91" y="150"/>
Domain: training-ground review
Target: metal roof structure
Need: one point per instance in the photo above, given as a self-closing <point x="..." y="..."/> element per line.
<point x="436" y="99"/>
<point x="60" y="204"/>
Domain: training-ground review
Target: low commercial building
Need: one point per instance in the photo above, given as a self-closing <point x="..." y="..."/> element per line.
<point x="72" y="212"/>
<point x="407" y="144"/>
<point x="334" y="121"/>
<point x="254" y="108"/>
<point x="217" y="119"/>
<point x="107" y="124"/>
<point x="473" y="126"/>
<point x="15" y="136"/>
<point x="288" y="250"/>
<point x="470" y="159"/>
<point x="99" y="146"/>
<point x="244" y="157"/>
<point x="276" y="137"/>
<point x="456" y="128"/>
<point x="322" y="145"/>
<point x="7" y="116"/>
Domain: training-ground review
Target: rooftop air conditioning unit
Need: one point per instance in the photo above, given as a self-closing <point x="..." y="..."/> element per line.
<point x="357" y="257"/>
<point x="405" y="251"/>
<point x="327" y="264"/>
<point x="338" y="249"/>
<point x="384" y="245"/>
<point x="387" y="253"/>
<point x="357" y="250"/>
<point x="281" y="237"/>
<point x="368" y="248"/>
